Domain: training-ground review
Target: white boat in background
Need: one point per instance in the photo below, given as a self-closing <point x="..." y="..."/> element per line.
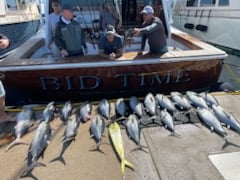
<point x="213" y="21"/>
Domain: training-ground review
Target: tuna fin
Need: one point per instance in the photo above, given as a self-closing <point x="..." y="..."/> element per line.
<point x="59" y="158"/>
<point x="228" y="143"/>
<point x="28" y="171"/>
<point x="126" y="163"/>
<point x="16" y="142"/>
<point x="68" y="139"/>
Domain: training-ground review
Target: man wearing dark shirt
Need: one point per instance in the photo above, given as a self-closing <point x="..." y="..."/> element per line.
<point x="153" y="30"/>
<point x="111" y="45"/>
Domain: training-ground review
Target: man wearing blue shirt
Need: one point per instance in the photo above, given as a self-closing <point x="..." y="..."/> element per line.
<point x="111" y="45"/>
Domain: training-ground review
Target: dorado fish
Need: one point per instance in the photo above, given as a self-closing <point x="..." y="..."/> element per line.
<point x="85" y="112"/>
<point x="116" y="137"/>
<point x="226" y="118"/>
<point x="97" y="129"/>
<point x="24" y="122"/>
<point x="104" y="108"/>
<point x="70" y="133"/>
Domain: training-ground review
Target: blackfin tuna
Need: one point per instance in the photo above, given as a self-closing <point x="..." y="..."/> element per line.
<point x="85" y="112"/>
<point x="104" y="108"/>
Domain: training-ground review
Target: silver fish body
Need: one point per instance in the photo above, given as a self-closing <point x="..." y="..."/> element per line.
<point x="66" y="110"/>
<point x="196" y="100"/>
<point x="120" y="107"/>
<point x="210" y="99"/>
<point x="97" y="128"/>
<point x="49" y="111"/>
<point x="165" y="103"/>
<point x="167" y="120"/>
<point x="150" y="104"/>
<point x="136" y="106"/>
<point x="211" y="121"/>
<point x="85" y="112"/>
<point x="133" y="128"/>
<point x="180" y="101"/>
<point x="104" y="108"/>
<point x="226" y="118"/>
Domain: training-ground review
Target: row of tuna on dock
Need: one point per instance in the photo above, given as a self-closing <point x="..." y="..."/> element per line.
<point x="133" y="114"/>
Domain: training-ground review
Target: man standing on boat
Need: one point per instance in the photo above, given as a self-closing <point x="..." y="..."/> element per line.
<point x="153" y="30"/>
<point x="4" y="41"/>
<point x="108" y="15"/>
<point x="110" y="46"/>
<point x="69" y="37"/>
<point x="53" y="19"/>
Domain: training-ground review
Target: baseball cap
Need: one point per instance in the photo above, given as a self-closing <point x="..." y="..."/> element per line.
<point x="147" y="10"/>
<point x="67" y="7"/>
<point x="110" y="30"/>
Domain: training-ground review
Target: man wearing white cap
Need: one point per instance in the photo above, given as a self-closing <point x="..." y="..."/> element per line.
<point x="153" y="30"/>
<point x="111" y="45"/>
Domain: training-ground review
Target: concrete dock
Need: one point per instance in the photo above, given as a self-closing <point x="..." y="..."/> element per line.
<point x="189" y="156"/>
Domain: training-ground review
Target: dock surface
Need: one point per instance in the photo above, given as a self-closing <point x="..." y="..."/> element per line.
<point x="168" y="157"/>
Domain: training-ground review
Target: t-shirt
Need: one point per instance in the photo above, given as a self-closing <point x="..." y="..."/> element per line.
<point x="110" y="47"/>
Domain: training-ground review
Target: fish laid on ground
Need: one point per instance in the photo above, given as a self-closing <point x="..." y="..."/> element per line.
<point x="49" y="111"/>
<point x="97" y="129"/>
<point x="226" y="118"/>
<point x="210" y="99"/>
<point x="196" y="100"/>
<point x="116" y="137"/>
<point x="181" y="101"/>
<point x="150" y="104"/>
<point x="136" y="106"/>
<point x="211" y="121"/>
<point x="104" y="108"/>
<point x="24" y="122"/>
<point x="120" y="108"/>
<point x="39" y="144"/>
<point x="70" y="133"/>
<point x="134" y="130"/>
<point x="167" y="120"/>
<point x="65" y="112"/>
<point x="165" y="103"/>
<point x="85" y="112"/>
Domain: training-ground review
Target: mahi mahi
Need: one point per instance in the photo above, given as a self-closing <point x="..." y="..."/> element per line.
<point x="116" y="137"/>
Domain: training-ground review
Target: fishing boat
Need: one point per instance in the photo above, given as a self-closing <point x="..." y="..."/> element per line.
<point x="190" y="64"/>
<point x="19" y="20"/>
<point x="213" y="21"/>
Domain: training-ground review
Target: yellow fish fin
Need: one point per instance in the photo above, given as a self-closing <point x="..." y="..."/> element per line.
<point x="126" y="163"/>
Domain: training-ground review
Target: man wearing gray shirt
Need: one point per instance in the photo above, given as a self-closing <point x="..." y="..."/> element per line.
<point x="153" y="30"/>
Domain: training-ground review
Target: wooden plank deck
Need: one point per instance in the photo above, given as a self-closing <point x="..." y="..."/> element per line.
<point x="168" y="157"/>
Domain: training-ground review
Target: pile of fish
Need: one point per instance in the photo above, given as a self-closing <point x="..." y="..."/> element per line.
<point x="133" y="114"/>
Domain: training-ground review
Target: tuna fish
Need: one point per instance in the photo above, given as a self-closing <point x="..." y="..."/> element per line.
<point x="24" y="122"/>
<point x="165" y="103"/>
<point x="70" y="133"/>
<point x="136" y="106"/>
<point x="196" y="100"/>
<point x="85" y="112"/>
<point x="180" y="101"/>
<point x="104" y="108"/>
<point x="39" y="144"/>
<point x="134" y="131"/>
<point x="49" y="111"/>
<point x="167" y="120"/>
<point x="209" y="98"/>
<point x="211" y="121"/>
<point x="65" y="112"/>
<point x="116" y="137"/>
<point x="97" y="129"/>
<point x="150" y="104"/>
<point x="226" y="118"/>
<point x="120" y="107"/>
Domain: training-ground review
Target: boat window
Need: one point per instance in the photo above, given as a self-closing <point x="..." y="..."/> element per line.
<point x="192" y="3"/>
<point x="11" y="4"/>
<point x="223" y="2"/>
<point x="207" y="2"/>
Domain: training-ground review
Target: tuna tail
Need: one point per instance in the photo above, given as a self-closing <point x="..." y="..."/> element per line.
<point x="124" y="163"/>
<point x="174" y="134"/>
<point x="122" y="118"/>
<point x="141" y="148"/>
<point x="16" y="142"/>
<point x="59" y="158"/>
<point x="28" y="171"/>
<point x="97" y="148"/>
<point x="228" y="143"/>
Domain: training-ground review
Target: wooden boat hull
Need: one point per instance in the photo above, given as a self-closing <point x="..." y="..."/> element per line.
<point x="78" y="83"/>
